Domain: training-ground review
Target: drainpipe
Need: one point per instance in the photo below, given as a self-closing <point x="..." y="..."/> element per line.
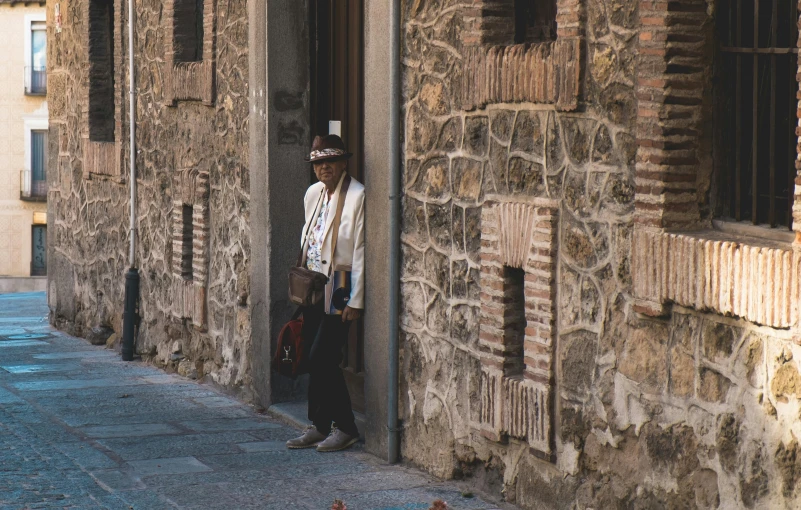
<point x="130" y="318"/>
<point x="393" y="428"/>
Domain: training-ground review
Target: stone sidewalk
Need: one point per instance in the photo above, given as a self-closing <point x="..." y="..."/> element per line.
<point x="81" y="429"/>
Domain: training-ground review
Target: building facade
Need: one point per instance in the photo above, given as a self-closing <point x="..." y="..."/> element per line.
<point x="192" y="177"/>
<point x="599" y="279"/>
<point x="23" y="140"/>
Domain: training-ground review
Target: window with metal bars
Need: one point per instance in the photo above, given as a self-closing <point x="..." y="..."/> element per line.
<point x="756" y="117"/>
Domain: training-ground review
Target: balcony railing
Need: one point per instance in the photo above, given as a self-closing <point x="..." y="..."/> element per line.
<point x="35" y="81"/>
<point x="30" y="190"/>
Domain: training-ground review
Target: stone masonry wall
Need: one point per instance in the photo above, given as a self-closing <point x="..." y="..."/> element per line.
<point x="89" y="217"/>
<point x="688" y="410"/>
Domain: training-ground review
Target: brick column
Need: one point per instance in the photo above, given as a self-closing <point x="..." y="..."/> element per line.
<point x="670" y="86"/>
<point x="569" y="19"/>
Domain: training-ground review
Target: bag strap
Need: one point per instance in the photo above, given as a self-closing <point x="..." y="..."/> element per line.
<point x="298" y="312"/>
<point x="337" y="219"/>
<point x="303" y="251"/>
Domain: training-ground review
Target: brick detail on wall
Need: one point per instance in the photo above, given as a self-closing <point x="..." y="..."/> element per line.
<point x="756" y="283"/>
<point x="498" y="71"/>
<point x="545" y="73"/>
<point x="102" y="157"/>
<point x="191" y="188"/>
<point x="189" y="81"/>
<point x="671" y="62"/>
<point x="526" y="412"/>
<point x="517" y="233"/>
<point x="702" y="269"/>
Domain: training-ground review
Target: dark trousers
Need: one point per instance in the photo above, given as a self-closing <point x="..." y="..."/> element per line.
<point x="329" y="400"/>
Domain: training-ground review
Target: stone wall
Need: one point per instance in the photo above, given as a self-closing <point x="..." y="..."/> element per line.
<point x="687" y="409"/>
<point x="189" y="153"/>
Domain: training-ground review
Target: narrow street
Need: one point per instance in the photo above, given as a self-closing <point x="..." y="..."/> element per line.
<point x="81" y="429"/>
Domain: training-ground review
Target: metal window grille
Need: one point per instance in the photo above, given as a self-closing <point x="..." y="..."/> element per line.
<point x="757" y="87"/>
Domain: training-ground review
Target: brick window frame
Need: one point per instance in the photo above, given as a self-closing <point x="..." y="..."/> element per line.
<point x="103" y="158"/>
<point x="520" y="233"/>
<point x="191" y="188"/>
<point x="495" y="70"/>
<point x="190" y="81"/>
<point x="676" y="256"/>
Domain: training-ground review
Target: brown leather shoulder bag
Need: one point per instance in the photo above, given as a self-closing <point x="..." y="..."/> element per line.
<point x="307" y="287"/>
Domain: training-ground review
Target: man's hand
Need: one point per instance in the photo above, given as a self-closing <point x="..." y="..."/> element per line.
<point x="351" y="314"/>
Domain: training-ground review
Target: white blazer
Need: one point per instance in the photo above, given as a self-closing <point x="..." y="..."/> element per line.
<point x="350" y="244"/>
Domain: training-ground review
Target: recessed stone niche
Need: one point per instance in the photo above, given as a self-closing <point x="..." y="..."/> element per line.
<point x="102" y="110"/>
<point x="190" y="247"/>
<point x="518" y="270"/>
<point x="496" y="70"/>
<point x="190" y="57"/>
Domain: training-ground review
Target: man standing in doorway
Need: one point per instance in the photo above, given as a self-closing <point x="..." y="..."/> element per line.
<point x="327" y="332"/>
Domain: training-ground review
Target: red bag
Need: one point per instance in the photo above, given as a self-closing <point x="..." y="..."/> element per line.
<point x="289" y="353"/>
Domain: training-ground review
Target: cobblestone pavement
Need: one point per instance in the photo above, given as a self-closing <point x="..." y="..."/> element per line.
<point x="81" y="429"/>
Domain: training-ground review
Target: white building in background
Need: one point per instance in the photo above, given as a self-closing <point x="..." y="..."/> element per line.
<point x="23" y="146"/>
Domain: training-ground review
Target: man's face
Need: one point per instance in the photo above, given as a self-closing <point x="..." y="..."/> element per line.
<point x="329" y="172"/>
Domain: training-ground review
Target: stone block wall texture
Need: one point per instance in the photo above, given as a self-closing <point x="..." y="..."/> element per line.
<point x="696" y="407"/>
<point x="190" y="152"/>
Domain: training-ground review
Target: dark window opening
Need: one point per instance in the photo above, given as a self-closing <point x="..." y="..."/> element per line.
<point x="514" y="319"/>
<point x="535" y="21"/>
<point x="38" y="166"/>
<point x="187" y="242"/>
<point x="756" y="100"/>
<point x="101" y="71"/>
<point x="39" y="250"/>
<point x="188" y="30"/>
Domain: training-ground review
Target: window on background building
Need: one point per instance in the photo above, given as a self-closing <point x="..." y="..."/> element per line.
<point x="101" y="71"/>
<point x="757" y="86"/>
<point x="535" y="21"/>
<point x="188" y="30"/>
<point x="38" y="166"/>
<point x="37" y="67"/>
<point x="39" y="250"/>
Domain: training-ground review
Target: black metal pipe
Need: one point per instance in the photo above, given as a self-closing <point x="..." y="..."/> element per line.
<point x="130" y="317"/>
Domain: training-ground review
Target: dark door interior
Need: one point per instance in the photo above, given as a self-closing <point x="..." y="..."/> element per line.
<point x="337" y="94"/>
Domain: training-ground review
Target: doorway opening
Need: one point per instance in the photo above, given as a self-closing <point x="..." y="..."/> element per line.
<point x="337" y="93"/>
